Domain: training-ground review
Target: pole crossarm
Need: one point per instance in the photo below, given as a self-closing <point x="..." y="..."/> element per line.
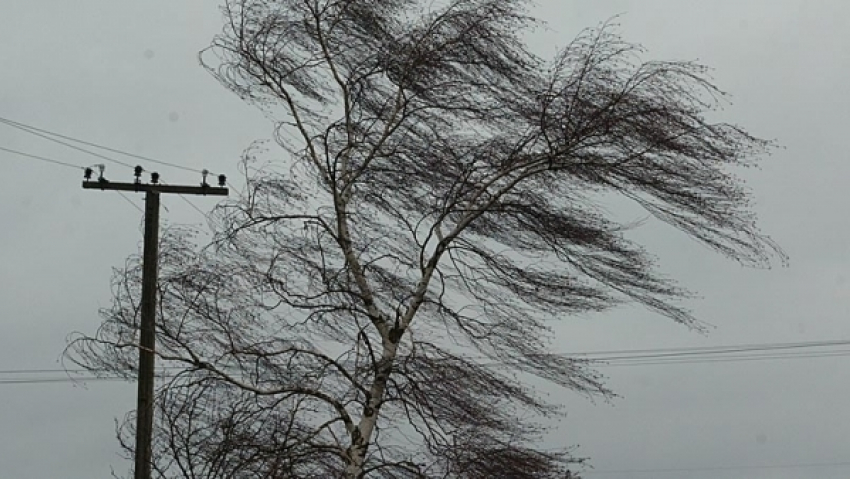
<point x="145" y="187"/>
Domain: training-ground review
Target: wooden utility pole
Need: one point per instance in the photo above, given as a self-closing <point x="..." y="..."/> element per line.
<point x="150" y="260"/>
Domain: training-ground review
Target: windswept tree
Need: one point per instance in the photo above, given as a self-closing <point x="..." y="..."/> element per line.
<point x="372" y="301"/>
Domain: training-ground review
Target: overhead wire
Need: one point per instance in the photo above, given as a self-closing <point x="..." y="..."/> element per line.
<point x="42" y="158"/>
<point x="57" y="380"/>
<point x="63" y="163"/>
<point x="804" y="465"/>
<point x="716" y="354"/>
<point x="36" y="130"/>
<point x="689" y="355"/>
<point x="749" y="358"/>
<point x="193" y="205"/>
<point x="699" y="352"/>
<point x="703" y="354"/>
<point x="128" y="200"/>
<point x="49" y="135"/>
<point x="59" y="375"/>
<point x="23" y="126"/>
<point x="726" y="348"/>
<point x="81" y="376"/>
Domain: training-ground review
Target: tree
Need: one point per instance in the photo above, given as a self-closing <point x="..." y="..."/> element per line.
<point x="368" y="303"/>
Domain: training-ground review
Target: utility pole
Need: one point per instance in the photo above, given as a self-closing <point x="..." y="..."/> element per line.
<point x="150" y="259"/>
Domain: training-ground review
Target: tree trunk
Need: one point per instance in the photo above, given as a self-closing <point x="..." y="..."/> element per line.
<point x="361" y="437"/>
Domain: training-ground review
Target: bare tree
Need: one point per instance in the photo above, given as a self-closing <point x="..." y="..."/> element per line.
<point x="369" y="306"/>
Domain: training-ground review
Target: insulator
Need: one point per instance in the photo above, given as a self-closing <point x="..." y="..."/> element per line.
<point x="137" y="171"/>
<point x="222" y="180"/>
<point x="154" y="177"/>
<point x="87" y="174"/>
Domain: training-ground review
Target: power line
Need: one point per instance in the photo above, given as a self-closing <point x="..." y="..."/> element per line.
<point x="48" y="137"/>
<point x="690" y="355"/>
<point x="62" y="163"/>
<point x="60" y="375"/>
<point x="710" y="349"/>
<point x="41" y="132"/>
<point x="42" y="158"/>
<point x="58" y="380"/>
<point x="31" y="129"/>
<point x="806" y="465"/>
<point x="41" y="371"/>
<point x="83" y="377"/>
<point x="699" y="354"/>
<point x="71" y="371"/>
<point x="192" y="205"/>
<point x="736" y="359"/>
<point x="128" y="200"/>
<point x="57" y="162"/>
<point x="716" y="354"/>
<point x="195" y="207"/>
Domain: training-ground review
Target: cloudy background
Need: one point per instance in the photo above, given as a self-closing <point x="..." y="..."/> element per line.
<point x="126" y="75"/>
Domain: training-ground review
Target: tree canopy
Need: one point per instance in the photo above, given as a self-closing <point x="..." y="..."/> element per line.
<point x="372" y="301"/>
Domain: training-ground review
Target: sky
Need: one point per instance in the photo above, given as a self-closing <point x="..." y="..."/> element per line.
<point x="126" y="75"/>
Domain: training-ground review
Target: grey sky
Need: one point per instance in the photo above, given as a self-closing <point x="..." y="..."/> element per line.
<point x="126" y="75"/>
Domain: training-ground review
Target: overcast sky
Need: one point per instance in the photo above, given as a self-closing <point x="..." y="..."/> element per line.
<point x="126" y="75"/>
